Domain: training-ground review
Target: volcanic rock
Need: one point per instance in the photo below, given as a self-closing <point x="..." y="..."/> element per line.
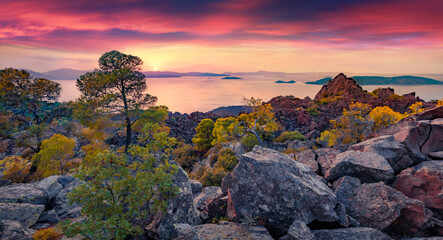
<point x="228" y="231"/>
<point x="393" y="151"/>
<point x="356" y="233"/>
<point x="423" y="182"/>
<point x="270" y="188"/>
<point x="367" y="166"/>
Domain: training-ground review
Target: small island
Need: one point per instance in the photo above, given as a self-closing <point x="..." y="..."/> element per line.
<point x="232" y="78"/>
<point x="281" y="81"/>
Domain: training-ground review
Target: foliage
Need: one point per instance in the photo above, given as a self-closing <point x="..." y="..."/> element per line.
<point x="249" y="141"/>
<point x="226" y="160"/>
<point x="121" y="190"/>
<point x="29" y="103"/>
<point x="289" y="136"/>
<point x="440" y="102"/>
<point x="415" y="108"/>
<point x="351" y="127"/>
<point x="47" y="234"/>
<point x="186" y="156"/>
<point x="260" y="122"/>
<point x="313" y="109"/>
<point x="54" y="156"/>
<point x="384" y="116"/>
<point x="15" y="168"/>
<point x="203" y="139"/>
<point x="213" y="177"/>
<point x="224" y="130"/>
<point x="117" y="87"/>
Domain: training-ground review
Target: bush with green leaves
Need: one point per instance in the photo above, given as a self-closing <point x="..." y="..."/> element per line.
<point x="203" y="139"/>
<point x="186" y="156"/>
<point x="249" y="141"/>
<point x="121" y="190"/>
<point x="289" y="136"/>
<point x="213" y="177"/>
<point x="226" y="160"/>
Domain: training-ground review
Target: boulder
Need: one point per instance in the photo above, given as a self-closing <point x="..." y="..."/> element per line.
<point x="421" y="134"/>
<point x="203" y="200"/>
<point x="436" y="155"/>
<point x="309" y="158"/>
<point x="393" y="151"/>
<point x="366" y="166"/>
<point x="345" y="189"/>
<point x="61" y="203"/>
<point x="180" y="209"/>
<point x="298" y="231"/>
<point x="356" y="233"/>
<point x="196" y="187"/>
<point x="5" y="182"/>
<point x="269" y="188"/>
<point x="49" y="217"/>
<point x="227" y="231"/>
<point x="50" y="186"/>
<point x="23" y="193"/>
<point x="434" y="143"/>
<point x="10" y="230"/>
<point x="423" y="182"/>
<point x="325" y="159"/>
<point x="24" y="213"/>
<point x="382" y="207"/>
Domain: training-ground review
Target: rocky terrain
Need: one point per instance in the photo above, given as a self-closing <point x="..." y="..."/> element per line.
<point x="387" y="187"/>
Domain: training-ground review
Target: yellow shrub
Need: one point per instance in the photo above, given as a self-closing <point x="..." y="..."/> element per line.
<point x="440" y="102"/>
<point x="47" y="234"/>
<point x="15" y="168"/>
<point x="415" y="108"/>
<point x="384" y="116"/>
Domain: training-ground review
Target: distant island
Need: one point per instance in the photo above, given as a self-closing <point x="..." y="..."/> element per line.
<point x="73" y="74"/>
<point x="232" y="78"/>
<point x="377" y="80"/>
<point x="281" y="81"/>
<point x="230" y="110"/>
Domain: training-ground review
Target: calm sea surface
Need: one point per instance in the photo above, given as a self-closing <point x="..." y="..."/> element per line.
<point x="188" y="94"/>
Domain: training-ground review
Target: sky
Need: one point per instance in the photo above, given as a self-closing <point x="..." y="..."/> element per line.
<point x="371" y="36"/>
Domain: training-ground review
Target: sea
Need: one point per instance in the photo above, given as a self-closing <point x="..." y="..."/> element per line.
<point x="189" y="94"/>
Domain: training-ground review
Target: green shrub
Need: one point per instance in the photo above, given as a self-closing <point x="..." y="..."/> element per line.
<point x="249" y="141"/>
<point x="186" y="156"/>
<point x="226" y="160"/>
<point x="204" y="138"/>
<point x="289" y="136"/>
<point x="213" y="177"/>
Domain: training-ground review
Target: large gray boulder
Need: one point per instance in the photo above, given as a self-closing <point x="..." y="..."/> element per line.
<point x="393" y="151"/>
<point x="379" y="206"/>
<point x="61" y="203"/>
<point x="356" y="233"/>
<point x="180" y="209"/>
<point x="24" y="213"/>
<point x="23" y="193"/>
<point x="51" y="185"/>
<point x="269" y="188"/>
<point x="10" y="230"/>
<point x="423" y="182"/>
<point x="225" y="231"/>
<point x="366" y="166"/>
<point x="298" y="231"/>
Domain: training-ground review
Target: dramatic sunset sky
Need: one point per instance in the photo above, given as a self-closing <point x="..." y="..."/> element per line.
<point x="371" y="36"/>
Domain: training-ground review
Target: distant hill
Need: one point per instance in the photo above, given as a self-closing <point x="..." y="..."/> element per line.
<point x="64" y="74"/>
<point x="377" y="80"/>
<point x="35" y="74"/>
<point x="167" y="74"/>
<point x="232" y="78"/>
<point x="230" y="110"/>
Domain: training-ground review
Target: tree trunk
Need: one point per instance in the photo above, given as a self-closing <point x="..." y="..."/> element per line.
<point x="128" y="134"/>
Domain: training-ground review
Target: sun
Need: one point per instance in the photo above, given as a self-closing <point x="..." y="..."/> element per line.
<point x="155" y="68"/>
